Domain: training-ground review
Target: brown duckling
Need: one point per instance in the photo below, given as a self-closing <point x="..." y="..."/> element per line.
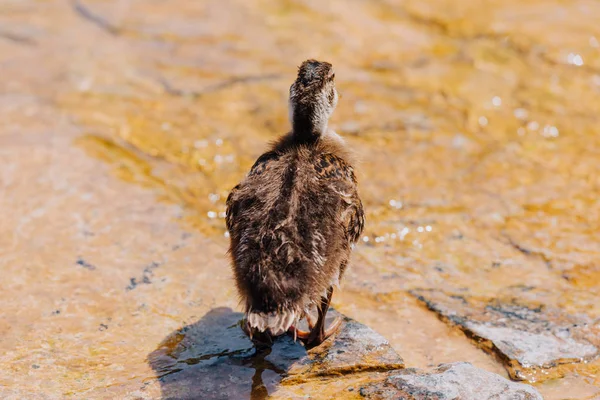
<point x="294" y="217"/>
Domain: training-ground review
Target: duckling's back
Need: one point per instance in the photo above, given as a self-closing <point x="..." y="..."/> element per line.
<point x="291" y="222"/>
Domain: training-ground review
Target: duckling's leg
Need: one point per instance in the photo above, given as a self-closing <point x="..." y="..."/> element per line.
<point x="318" y="334"/>
<point x="300" y="334"/>
<point x="310" y="321"/>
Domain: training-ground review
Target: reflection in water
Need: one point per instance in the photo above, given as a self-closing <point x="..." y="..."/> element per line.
<point x="260" y="364"/>
<point x="214" y="359"/>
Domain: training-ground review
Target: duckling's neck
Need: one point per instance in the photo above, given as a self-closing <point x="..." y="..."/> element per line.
<point x="308" y="125"/>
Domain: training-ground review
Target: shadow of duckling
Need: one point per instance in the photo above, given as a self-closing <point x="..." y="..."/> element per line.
<point x="213" y="359"/>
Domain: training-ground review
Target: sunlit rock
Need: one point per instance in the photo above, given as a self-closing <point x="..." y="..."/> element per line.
<point x="529" y="339"/>
<point x="449" y="382"/>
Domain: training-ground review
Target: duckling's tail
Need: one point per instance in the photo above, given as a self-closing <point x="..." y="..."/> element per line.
<point x="275" y="323"/>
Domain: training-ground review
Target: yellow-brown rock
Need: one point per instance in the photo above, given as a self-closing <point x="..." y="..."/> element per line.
<point x="125" y="124"/>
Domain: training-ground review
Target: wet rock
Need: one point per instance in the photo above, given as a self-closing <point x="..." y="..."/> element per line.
<point x="527" y="338"/>
<point x="354" y="348"/>
<point x="459" y="380"/>
<point x="214" y="359"/>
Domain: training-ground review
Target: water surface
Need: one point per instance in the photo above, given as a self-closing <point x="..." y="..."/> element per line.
<point x="126" y="123"/>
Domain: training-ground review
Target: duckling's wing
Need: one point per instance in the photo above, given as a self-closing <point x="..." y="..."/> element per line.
<point x="355" y="220"/>
<point x="262" y="163"/>
<point x="341" y="176"/>
<point x="232" y="203"/>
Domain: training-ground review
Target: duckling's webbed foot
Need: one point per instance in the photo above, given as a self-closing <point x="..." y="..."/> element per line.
<point x="318" y="334"/>
<point x="298" y="333"/>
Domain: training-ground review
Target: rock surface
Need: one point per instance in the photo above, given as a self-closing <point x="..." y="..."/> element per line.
<point x="449" y="382"/>
<point x="213" y="359"/>
<point x="529" y="339"/>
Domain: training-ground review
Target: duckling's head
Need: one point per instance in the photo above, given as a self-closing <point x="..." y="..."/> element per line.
<point x="312" y="100"/>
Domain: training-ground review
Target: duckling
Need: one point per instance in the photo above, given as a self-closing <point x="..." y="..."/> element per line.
<point x="293" y="219"/>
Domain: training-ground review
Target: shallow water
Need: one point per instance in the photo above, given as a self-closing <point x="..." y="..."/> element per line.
<point x="125" y="124"/>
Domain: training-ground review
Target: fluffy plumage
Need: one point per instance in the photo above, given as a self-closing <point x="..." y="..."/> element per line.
<point x="292" y="220"/>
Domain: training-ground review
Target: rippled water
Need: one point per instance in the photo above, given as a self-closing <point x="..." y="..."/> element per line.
<point x="476" y="124"/>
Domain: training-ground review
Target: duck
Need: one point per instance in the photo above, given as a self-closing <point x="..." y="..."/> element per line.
<point x="295" y="217"/>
